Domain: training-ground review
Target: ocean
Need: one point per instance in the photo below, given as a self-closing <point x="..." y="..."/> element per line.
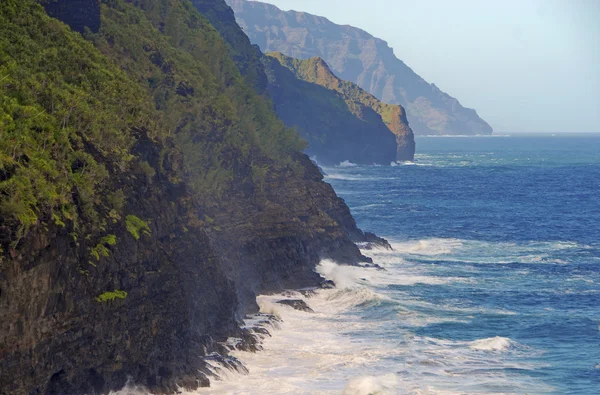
<point x="493" y="286"/>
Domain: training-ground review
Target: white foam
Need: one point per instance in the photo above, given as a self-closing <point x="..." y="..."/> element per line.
<point x="434" y="246"/>
<point x="361" y="338"/>
<point x="130" y="389"/>
<point x="338" y="176"/>
<point x="492" y="344"/>
<point x="372" y="385"/>
<point x="347" y="163"/>
<point x="310" y="354"/>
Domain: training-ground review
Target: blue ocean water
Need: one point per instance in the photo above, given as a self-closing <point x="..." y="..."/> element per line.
<point x="510" y="226"/>
<point x="493" y="286"/>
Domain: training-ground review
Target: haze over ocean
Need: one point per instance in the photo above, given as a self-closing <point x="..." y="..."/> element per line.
<point x="523" y="65"/>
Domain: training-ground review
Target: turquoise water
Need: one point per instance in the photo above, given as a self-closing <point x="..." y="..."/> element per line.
<point x="505" y="233"/>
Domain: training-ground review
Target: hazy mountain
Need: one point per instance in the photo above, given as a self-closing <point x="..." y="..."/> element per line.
<point x="355" y="55"/>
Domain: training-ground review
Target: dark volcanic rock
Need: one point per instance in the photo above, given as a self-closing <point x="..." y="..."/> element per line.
<point x="372" y="240"/>
<point x="327" y="284"/>
<point x="274" y="242"/>
<point x="153" y="306"/>
<point x="56" y="338"/>
<point x="78" y="14"/>
<point x="297" y="304"/>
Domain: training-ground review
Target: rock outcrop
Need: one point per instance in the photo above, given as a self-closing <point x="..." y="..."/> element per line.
<point x="296" y="304"/>
<point x="147" y="194"/>
<point x="336" y="128"/>
<point x="355" y="55"/>
<point x="149" y="311"/>
<point x="359" y="102"/>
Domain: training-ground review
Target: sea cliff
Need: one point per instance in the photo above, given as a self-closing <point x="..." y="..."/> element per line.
<point x="356" y="56"/>
<point x="148" y="193"/>
<point x="371" y="113"/>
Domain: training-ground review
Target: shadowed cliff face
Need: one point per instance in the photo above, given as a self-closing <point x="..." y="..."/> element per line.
<point x="356" y="56"/>
<point x="78" y="14"/>
<point x="273" y="230"/>
<point x="57" y="338"/>
<point x="316" y="71"/>
<point x="245" y="55"/>
<point x="147" y="194"/>
<point x="336" y="129"/>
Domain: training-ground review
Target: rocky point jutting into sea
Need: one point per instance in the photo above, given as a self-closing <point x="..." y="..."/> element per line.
<point x="148" y="193"/>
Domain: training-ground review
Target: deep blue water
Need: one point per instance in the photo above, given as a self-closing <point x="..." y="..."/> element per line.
<point x="495" y="283"/>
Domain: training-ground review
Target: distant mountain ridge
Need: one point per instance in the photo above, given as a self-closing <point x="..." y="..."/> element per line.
<point x="355" y="55"/>
<point x="364" y="106"/>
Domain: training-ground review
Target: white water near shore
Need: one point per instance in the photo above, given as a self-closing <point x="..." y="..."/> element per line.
<point x="341" y="350"/>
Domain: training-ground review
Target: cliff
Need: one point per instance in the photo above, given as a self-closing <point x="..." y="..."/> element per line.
<point x="335" y="132"/>
<point x="356" y="56"/>
<point x="147" y="194"/>
<point x="316" y="71"/>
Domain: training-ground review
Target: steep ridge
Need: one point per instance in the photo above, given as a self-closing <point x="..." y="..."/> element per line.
<point x="315" y="70"/>
<point x="246" y="56"/>
<point x="336" y="129"/>
<point x="333" y="133"/>
<point x="147" y="194"/>
<point x="356" y="56"/>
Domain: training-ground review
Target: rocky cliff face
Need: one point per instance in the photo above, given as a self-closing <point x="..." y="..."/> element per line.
<point x="356" y="56"/>
<point x="274" y="229"/>
<point x="147" y="193"/>
<point x="315" y="70"/>
<point x="336" y="129"/>
<point x="78" y="14"/>
<point x="149" y="311"/>
<point x="335" y="132"/>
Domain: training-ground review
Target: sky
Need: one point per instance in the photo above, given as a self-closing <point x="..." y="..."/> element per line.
<point x="526" y="66"/>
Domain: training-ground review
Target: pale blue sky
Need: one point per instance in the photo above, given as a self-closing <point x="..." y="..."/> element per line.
<point x="524" y="65"/>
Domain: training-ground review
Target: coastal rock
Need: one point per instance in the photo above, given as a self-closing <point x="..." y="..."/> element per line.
<point x="327" y="284"/>
<point x="59" y="337"/>
<point x="146" y="278"/>
<point x="360" y="104"/>
<point x="337" y="128"/>
<point x="297" y="304"/>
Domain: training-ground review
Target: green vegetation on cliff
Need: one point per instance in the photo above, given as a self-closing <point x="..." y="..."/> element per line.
<point x="109" y="296"/>
<point x="136" y="226"/>
<point x="67" y="119"/>
<point x="144" y="116"/>
<point x="217" y="118"/>
<point x="69" y="115"/>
